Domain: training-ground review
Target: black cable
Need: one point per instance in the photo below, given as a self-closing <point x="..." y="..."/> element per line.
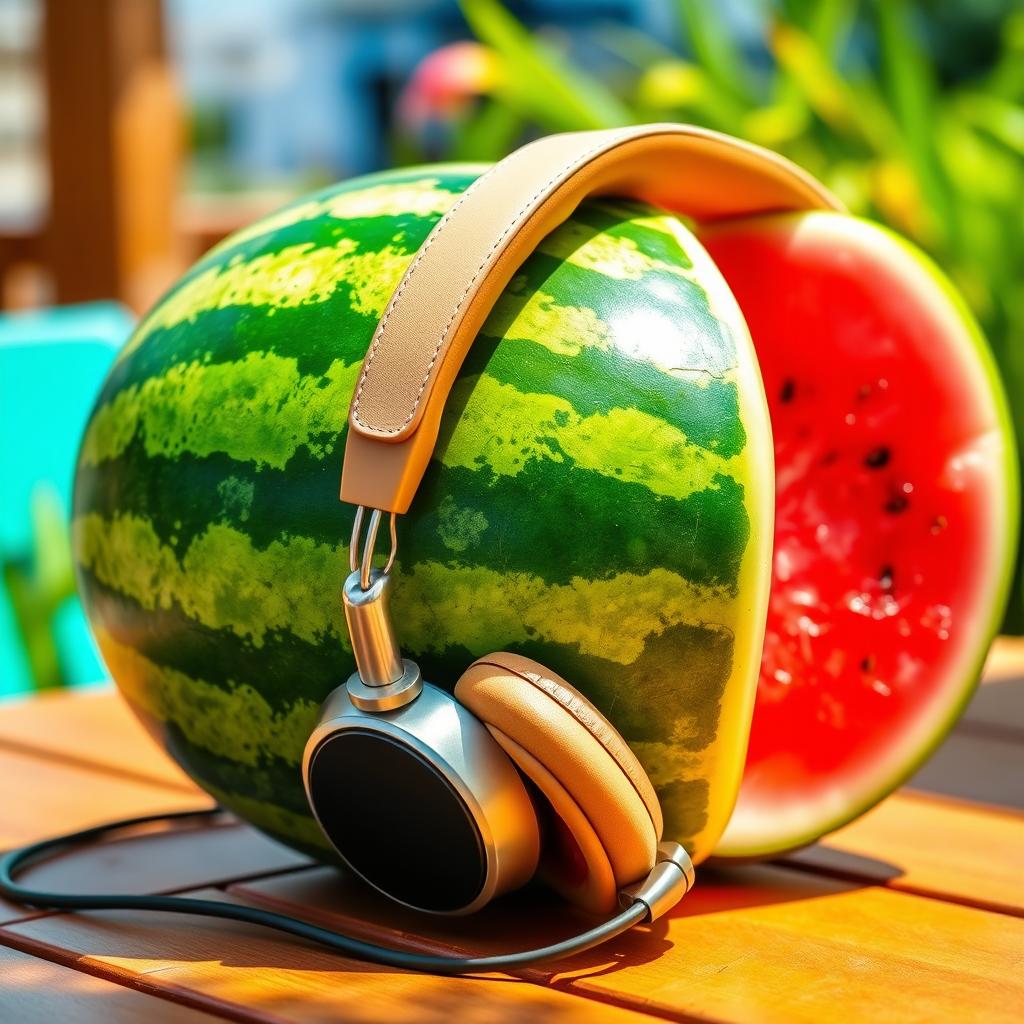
<point x="17" y="860"/>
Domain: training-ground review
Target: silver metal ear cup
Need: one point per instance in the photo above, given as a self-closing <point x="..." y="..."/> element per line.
<point x="421" y="802"/>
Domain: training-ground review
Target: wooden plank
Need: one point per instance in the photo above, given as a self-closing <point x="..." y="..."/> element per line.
<point x="168" y="860"/>
<point x="40" y="797"/>
<point x="805" y="928"/>
<point x="768" y="944"/>
<point x="36" y="991"/>
<point x="15" y="912"/>
<point x="757" y="943"/>
<point x="955" y="851"/>
<point x="93" y="730"/>
<point x="982" y="759"/>
<point x="227" y="968"/>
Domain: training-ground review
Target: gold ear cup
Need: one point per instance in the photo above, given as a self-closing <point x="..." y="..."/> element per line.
<point x="606" y="817"/>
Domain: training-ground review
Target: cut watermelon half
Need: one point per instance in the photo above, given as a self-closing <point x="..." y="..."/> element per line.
<point x="896" y="517"/>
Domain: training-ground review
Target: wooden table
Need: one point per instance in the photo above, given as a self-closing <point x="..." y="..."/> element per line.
<point x="913" y="913"/>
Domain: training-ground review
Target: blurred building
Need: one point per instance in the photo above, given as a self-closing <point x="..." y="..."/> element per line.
<point x="281" y="89"/>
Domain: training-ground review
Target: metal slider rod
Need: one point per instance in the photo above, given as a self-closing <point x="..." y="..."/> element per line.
<point x="383" y="680"/>
<point x="369" y="625"/>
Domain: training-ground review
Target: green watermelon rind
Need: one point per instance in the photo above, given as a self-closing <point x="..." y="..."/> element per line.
<point x="991" y="620"/>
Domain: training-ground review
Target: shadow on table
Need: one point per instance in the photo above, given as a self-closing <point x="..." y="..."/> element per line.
<point x="529" y="918"/>
<point x="982" y="759"/>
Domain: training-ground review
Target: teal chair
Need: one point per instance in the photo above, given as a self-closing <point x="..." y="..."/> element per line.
<point x="52" y="364"/>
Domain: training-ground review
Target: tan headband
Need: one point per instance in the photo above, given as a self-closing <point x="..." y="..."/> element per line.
<point x="476" y="248"/>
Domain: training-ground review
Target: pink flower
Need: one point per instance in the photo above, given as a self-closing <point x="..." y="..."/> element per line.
<point x="446" y="81"/>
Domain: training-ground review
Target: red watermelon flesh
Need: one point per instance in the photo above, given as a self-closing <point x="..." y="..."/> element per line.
<point x="896" y="505"/>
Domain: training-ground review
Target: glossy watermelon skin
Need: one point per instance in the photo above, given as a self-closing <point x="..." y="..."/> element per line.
<point x="601" y="498"/>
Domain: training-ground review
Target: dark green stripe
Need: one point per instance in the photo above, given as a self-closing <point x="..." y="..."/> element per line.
<point x="283" y="669"/>
<point x="552" y="520"/>
<point x="273" y="782"/>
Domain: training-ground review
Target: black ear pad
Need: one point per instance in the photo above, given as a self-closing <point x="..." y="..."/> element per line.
<point x="430" y="853"/>
<point x="421" y="802"/>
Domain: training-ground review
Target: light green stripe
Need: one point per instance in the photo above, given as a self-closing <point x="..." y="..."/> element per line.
<point x="459" y="528"/>
<point x="503" y="429"/>
<point x="224" y="582"/>
<point x="542" y="320"/>
<point x="675" y="345"/>
<point x="614" y="255"/>
<point x="481" y="608"/>
<point x="259" y="410"/>
<point x="306" y="274"/>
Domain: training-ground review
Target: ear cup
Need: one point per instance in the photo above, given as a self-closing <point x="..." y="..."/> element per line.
<point x="608" y="820"/>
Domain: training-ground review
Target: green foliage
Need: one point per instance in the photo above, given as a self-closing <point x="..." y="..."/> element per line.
<point x="852" y="91"/>
<point x="39" y="587"/>
<point x="541" y="84"/>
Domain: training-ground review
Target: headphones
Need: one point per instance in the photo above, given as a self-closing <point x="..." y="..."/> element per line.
<point x="442" y="801"/>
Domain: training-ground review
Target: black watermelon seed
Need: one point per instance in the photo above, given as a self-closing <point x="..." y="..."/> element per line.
<point x="788" y="390"/>
<point x="877" y="457"/>
<point x="885" y="577"/>
<point x="868" y="663"/>
<point x="896" y="504"/>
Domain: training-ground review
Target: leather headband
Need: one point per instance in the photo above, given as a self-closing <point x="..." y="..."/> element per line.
<point x="476" y="248"/>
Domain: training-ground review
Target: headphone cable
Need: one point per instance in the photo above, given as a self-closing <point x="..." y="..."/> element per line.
<point x="18" y="860"/>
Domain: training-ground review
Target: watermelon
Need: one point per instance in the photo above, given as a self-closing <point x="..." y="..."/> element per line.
<point x="601" y="499"/>
<point x="896" y="516"/>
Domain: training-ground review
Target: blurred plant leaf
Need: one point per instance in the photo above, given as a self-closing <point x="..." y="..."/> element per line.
<point x="37" y="587"/>
<point x="829" y="22"/>
<point x="493" y="128"/>
<point x="714" y="50"/>
<point x="912" y="97"/>
<point x="539" y="82"/>
<point x="677" y="89"/>
<point x="1001" y="119"/>
<point x="633" y="46"/>
<point x="853" y="112"/>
